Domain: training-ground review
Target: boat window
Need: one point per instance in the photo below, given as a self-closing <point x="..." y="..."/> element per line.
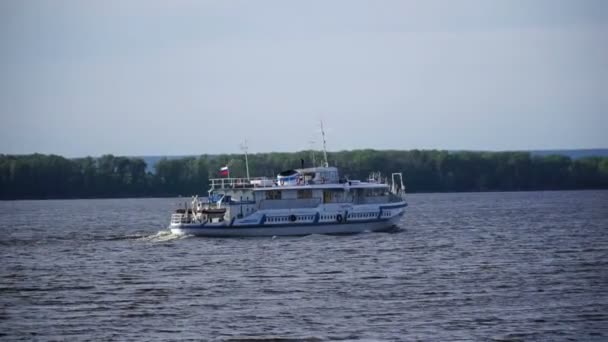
<point x="304" y="194"/>
<point x="327" y="196"/>
<point x="273" y="194"/>
<point x="334" y="195"/>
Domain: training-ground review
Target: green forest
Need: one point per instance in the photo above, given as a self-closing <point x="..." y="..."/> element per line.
<point x="39" y="176"/>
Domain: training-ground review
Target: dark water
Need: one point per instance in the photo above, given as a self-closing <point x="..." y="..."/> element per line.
<point x="491" y="266"/>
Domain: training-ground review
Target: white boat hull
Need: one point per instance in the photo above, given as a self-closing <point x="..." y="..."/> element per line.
<point x="286" y="230"/>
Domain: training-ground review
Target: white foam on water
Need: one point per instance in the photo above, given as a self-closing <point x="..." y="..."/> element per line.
<point x="163" y="236"/>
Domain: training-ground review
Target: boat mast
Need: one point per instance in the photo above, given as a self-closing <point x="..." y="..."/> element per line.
<point x="312" y="153"/>
<point x="324" y="148"/>
<point x="244" y="149"/>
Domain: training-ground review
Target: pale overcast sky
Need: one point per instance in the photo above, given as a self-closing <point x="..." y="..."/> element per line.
<point x="191" y="77"/>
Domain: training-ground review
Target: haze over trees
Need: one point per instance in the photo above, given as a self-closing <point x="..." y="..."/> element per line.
<point x="50" y="176"/>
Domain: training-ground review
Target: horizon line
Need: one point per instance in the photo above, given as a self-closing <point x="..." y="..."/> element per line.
<point x="319" y="150"/>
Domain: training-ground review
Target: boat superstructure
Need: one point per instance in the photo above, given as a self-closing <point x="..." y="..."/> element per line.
<point x="297" y="202"/>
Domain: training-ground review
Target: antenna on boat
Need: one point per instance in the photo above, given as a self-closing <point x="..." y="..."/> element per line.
<point x="244" y="148"/>
<point x="324" y="148"/>
<point x="312" y="152"/>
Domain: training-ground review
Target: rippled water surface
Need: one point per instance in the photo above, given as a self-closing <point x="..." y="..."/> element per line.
<point x="476" y="266"/>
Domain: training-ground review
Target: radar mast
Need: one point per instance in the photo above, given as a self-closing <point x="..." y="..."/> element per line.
<point x="324" y="147"/>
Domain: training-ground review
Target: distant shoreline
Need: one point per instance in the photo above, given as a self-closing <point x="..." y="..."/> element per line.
<point x="39" y="176"/>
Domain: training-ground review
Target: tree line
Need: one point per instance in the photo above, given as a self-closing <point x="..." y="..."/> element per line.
<point x="50" y="176"/>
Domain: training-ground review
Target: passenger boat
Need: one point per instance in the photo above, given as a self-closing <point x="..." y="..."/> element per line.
<point x="298" y="202"/>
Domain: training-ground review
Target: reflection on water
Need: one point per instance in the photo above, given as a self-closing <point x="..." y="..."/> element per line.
<point x="490" y="266"/>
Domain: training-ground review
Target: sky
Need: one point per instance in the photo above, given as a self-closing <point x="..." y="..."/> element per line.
<point x="192" y="77"/>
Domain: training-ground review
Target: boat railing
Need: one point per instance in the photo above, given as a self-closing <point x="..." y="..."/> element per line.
<point x="232" y="183"/>
<point x="398" y="197"/>
<point x="236" y="183"/>
<point x="180" y="218"/>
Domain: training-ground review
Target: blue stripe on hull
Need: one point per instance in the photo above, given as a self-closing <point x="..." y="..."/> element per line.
<point x="395" y="206"/>
<point x="203" y="226"/>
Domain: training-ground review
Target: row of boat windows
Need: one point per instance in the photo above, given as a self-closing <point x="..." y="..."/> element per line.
<point x="326" y="217"/>
<point x="362" y="215"/>
<point x="287" y="219"/>
<point x="328" y="195"/>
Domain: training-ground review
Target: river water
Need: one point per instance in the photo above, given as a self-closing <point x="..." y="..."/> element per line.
<point x="472" y="266"/>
